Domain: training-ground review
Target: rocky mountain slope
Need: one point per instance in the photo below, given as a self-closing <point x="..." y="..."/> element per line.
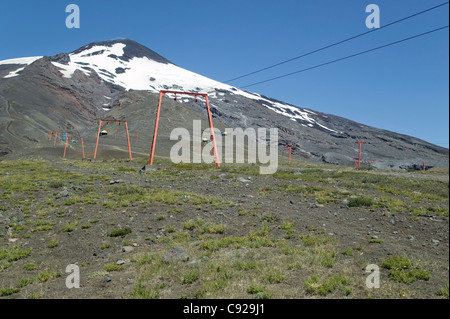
<point x="121" y="79"/>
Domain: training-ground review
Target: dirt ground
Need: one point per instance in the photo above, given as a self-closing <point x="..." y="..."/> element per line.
<point x="251" y="202"/>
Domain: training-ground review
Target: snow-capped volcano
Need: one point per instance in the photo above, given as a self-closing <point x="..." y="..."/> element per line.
<point x="81" y="86"/>
<point x="114" y="65"/>
<point x="132" y="66"/>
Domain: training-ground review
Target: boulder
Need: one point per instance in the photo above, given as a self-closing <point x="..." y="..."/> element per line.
<point x="177" y="253"/>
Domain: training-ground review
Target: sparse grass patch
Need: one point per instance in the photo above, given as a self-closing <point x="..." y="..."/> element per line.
<point x="191" y="224"/>
<point x="8" y="291"/>
<point x="48" y="275"/>
<point x="287" y="226"/>
<point x="255" y="289"/>
<point x="248" y="265"/>
<point x="242" y="212"/>
<point x="25" y="282"/>
<point x="4" y="265"/>
<point x="409" y="276"/>
<point x="141" y="292"/>
<point x="30" y="267"/>
<point x="14" y="253"/>
<point x="397" y="262"/>
<point x="443" y="292"/>
<point x="190" y="277"/>
<point x="110" y="204"/>
<point x="348" y="252"/>
<point x="70" y="227"/>
<point x="212" y="229"/>
<point x="325" y="257"/>
<point x="402" y="269"/>
<point x="98" y="273"/>
<point x="42" y="225"/>
<point x="171" y="229"/>
<point x="55" y="184"/>
<point x="112" y="267"/>
<point x="360" y="201"/>
<point x="274" y="276"/>
<point x="175" y="210"/>
<point x="52" y="244"/>
<point x="438" y="211"/>
<point x="315" y="286"/>
<point x="120" y="232"/>
<point x="270" y="218"/>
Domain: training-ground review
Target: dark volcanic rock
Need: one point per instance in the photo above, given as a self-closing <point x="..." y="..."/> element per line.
<point x="62" y="58"/>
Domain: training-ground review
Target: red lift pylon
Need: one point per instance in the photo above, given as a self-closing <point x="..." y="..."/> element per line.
<point x="56" y="136"/>
<point x="358" y="164"/>
<point x="113" y="121"/>
<point x="155" y="133"/>
<point x="73" y="138"/>
<point x="290" y="150"/>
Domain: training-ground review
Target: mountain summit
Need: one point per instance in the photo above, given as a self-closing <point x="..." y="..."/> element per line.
<point x="130" y="65"/>
<point x="131" y="49"/>
<point x="71" y="91"/>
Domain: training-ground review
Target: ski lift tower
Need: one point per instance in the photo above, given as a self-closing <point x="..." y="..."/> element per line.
<point x="155" y="133"/>
<point x="113" y="121"/>
<point x="358" y="164"/>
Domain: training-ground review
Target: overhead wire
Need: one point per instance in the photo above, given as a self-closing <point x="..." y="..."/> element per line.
<point x="339" y="42"/>
<point x="346" y="57"/>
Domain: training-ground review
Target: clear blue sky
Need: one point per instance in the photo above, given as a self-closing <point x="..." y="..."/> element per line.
<point x="403" y="88"/>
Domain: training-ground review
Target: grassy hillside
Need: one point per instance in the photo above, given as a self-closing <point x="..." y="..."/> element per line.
<point x="308" y="231"/>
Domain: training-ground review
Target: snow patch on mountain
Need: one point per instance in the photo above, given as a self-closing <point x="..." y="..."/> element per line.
<point x="23" y="62"/>
<point x="26" y="61"/>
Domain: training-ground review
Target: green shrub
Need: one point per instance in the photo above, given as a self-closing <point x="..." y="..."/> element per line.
<point x="397" y="262"/>
<point x="402" y="269"/>
<point x="313" y="286"/>
<point x="254" y="289"/>
<point x="25" y="281"/>
<point x="53" y="244"/>
<point x="443" y="292"/>
<point x="14" y="253"/>
<point x="47" y="275"/>
<point x="69" y="227"/>
<point x="409" y="276"/>
<point x="30" y="267"/>
<point x="360" y="201"/>
<point x="191" y="277"/>
<point x="113" y="267"/>
<point x="55" y="184"/>
<point x="120" y="232"/>
<point x="8" y="291"/>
